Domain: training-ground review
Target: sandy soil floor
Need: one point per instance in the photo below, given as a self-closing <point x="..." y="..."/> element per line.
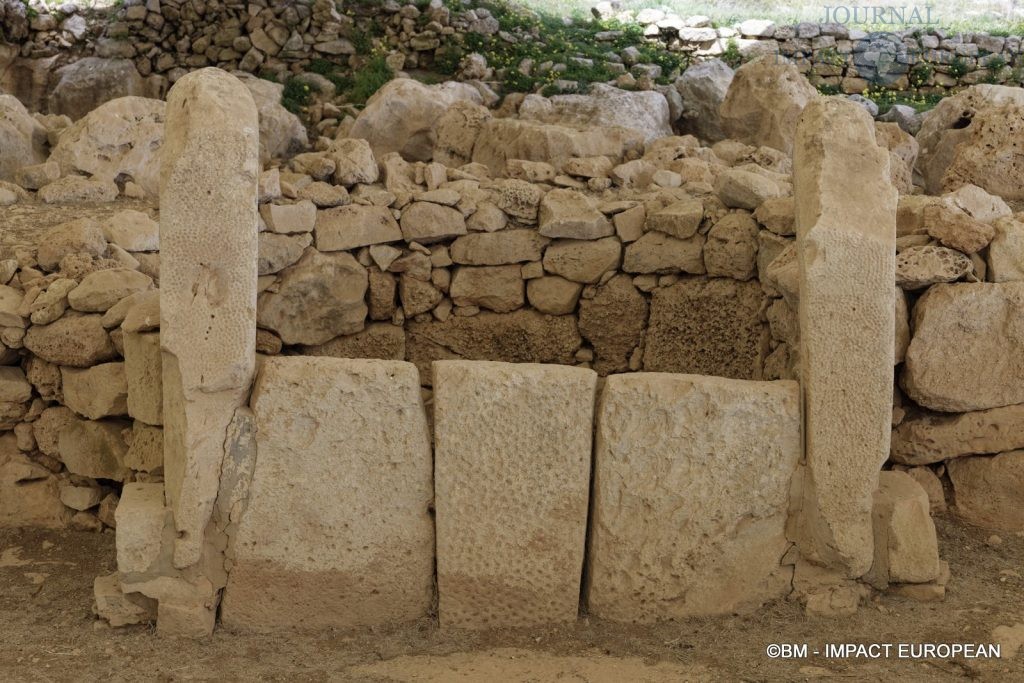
<point x="49" y="633"/>
<point x="26" y="222"/>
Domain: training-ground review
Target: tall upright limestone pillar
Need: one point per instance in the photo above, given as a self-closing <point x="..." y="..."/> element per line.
<point x="208" y="227"/>
<point x="846" y="241"/>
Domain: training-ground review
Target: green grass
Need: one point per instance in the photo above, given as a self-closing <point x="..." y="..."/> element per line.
<point x="570" y="45"/>
<point x="295" y="96"/>
<point x="369" y="79"/>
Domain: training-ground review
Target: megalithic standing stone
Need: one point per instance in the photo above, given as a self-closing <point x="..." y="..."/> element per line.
<point x="208" y="227"/>
<point x="846" y="241"/>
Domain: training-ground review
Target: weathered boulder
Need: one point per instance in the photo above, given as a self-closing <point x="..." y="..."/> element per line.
<point x="967" y="352"/>
<point x="925" y="438"/>
<point x="80" y="236"/>
<point x="100" y="290"/>
<point x="317" y="299"/>
<point x="281" y="132"/>
<point x="121" y="137"/>
<point x="426" y="222"/>
<point x="73" y="189"/>
<point x="85" y="84"/>
<point x="1006" y="251"/>
<point x="15" y="393"/>
<point x="334" y="429"/>
<point x="498" y="248"/>
<point x="289" y="219"/>
<point x="96" y="392"/>
<point x="988" y="490"/>
<point x="955" y="228"/>
<point x="731" y="247"/>
<point x="583" y="261"/>
<point x="277" y="252"/>
<point x="94" y="448"/>
<point x="707" y="327"/>
<point x="400" y="117"/>
<point x="738" y="188"/>
<point x="572" y="214"/>
<point x="132" y="231"/>
<point x="22" y="138"/>
<point x="656" y="252"/>
<point x="903" y="150"/>
<point x="456" y="132"/>
<point x="501" y="139"/>
<point x="79" y="341"/>
<point x="646" y="111"/>
<point x="496" y="288"/>
<point x="519" y="434"/>
<point x="680" y="219"/>
<point x="29" y="493"/>
<point x="957" y="138"/>
<point x="144" y="377"/>
<point x="703" y="87"/>
<point x="691" y="490"/>
<point x="348" y="227"/>
<point x="764" y="101"/>
<point x="553" y="295"/>
<point x="353" y="162"/>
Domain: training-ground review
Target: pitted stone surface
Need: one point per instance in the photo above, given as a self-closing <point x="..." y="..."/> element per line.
<point x="920" y="267"/>
<point x="208" y="225"/>
<point x="337" y="532"/>
<point x="846" y="244"/>
<point x="708" y="327"/>
<point x="691" y="488"/>
<point x="512" y="467"/>
<point x="523" y="336"/>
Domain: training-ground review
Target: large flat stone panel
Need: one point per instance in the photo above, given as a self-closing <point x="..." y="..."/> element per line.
<point x="512" y="468"/>
<point x="691" y="484"/>
<point x="337" y="532"/>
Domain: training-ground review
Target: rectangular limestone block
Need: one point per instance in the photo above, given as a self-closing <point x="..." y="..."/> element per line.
<point x="140" y="523"/>
<point x="144" y="371"/>
<point x="691" y="487"/>
<point x="846" y="249"/>
<point x="512" y="467"/>
<point x="337" y="532"/>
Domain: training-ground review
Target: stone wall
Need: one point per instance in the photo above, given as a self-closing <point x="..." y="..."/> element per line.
<point x="141" y="48"/>
<point x="445" y="231"/>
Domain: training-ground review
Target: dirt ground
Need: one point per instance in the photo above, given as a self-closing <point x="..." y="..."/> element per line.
<point x="49" y="633"/>
<point x="25" y="222"/>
